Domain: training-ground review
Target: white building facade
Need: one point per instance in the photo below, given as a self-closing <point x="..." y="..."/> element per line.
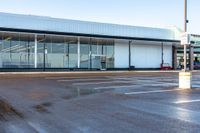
<point x="44" y="43"/>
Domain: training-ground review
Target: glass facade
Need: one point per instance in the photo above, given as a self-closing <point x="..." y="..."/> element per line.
<point x="195" y="42"/>
<point x="17" y="50"/>
<point x="96" y="53"/>
<point x="57" y="52"/>
<point x="196" y="58"/>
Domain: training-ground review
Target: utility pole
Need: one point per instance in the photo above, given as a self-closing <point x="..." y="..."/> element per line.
<point x="185" y="30"/>
<point x="185" y="76"/>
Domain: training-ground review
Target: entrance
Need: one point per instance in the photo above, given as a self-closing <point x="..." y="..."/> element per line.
<point x="96" y="54"/>
<point x="99" y="62"/>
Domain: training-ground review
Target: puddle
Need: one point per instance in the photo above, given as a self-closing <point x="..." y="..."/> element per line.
<point x="7" y="111"/>
<point x="77" y="92"/>
<point x="43" y="108"/>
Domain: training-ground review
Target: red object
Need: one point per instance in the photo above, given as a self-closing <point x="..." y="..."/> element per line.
<point x="165" y="66"/>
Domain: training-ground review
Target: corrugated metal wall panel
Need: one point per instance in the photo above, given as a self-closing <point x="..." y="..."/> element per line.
<point x="74" y="26"/>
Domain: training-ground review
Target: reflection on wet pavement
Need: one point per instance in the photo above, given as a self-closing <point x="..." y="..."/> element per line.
<point x="89" y="103"/>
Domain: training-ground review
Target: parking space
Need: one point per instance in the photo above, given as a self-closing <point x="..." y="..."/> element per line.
<point x="99" y="102"/>
<point x="121" y="84"/>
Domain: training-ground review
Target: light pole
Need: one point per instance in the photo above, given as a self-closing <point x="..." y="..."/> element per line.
<point x="185" y="76"/>
<point x="185" y="30"/>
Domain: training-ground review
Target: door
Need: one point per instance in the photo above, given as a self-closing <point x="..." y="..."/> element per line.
<point x="99" y="62"/>
<point x="85" y="56"/>
<point x="103" y="62"/>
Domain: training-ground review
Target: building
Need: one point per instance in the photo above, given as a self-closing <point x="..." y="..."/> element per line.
<point x="43" y="43"/>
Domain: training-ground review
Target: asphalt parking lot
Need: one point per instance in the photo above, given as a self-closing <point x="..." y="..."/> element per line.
<point x="119" y="102"/>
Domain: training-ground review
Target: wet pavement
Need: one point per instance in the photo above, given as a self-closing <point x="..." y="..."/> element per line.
<point x="127" y="102"/>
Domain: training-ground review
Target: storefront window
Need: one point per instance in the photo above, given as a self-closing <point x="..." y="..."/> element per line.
<point x="59" y="52"/>
<point x="85" y="53"/>
<point x="17" y="50"/>
<point x="102" y="53"/>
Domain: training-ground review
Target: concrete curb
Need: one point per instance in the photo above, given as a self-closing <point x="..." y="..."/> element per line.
<point x="84" y="72"/>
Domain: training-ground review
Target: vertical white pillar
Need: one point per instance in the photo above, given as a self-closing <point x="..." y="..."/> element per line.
<point x="35" y="63"/>
<point x="78" y="52"/>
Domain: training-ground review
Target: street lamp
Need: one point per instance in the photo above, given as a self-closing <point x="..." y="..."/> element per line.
<point x="185" y="76"/>
<point x="185" y="30"/>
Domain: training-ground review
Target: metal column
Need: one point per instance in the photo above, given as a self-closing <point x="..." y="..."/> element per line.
<point x="191" y="58"/>
<point x="35" y="52"/>
<point x="174" y="55"/>
<point x="90" y="53"/>
<point x="185" y="57"/>
<point x="129" y="47"/>
<point x="185" y="30"/>
<point x="162" y="56"/>
<point x="78" y="52"/>
<point x="44" y="53"/>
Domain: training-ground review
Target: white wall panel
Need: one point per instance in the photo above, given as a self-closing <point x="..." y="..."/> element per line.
<point x="121" y="54"/>
<point x="150" y="56"/>
<point x="73" y="26"/>
<point x="146" y="56"/>
<point x="167" y="54"/>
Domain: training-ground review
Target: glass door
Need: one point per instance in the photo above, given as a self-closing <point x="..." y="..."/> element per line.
<point x="103" y="62"/>
<point x="99" y="62"/>
<point x="85" y="56"/>
<point x="96" y="62"/>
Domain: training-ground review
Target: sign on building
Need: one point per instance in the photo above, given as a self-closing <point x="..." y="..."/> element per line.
<point x="185" y="39"/>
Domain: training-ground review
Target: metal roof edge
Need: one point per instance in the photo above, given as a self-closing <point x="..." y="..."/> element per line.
<point x="84" y="35"/>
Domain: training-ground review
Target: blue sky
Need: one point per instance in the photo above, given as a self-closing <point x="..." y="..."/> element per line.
<point x="151" y="13"/>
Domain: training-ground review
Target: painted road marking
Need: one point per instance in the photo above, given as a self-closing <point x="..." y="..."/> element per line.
<point x="155" y="91"/>
<point x="66" y="80"/>
<point x="114" y="87"/>
<point x="93" y="76"/>
<point x="84" y="77"/>
<point x="107" y="82"/>
<point x="37" y="127"/>
<point x="187" y="101"/>
<point x="117" y="86"/>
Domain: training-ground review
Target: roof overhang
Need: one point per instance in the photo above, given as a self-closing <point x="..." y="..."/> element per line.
<point x="85" y="35"/>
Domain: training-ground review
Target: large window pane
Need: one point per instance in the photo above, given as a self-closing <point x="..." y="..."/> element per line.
<point x="16" y="50"/>
<point x="102" y="53"/>
<point x="60" y="52"/>
<point x="84" y="53"/>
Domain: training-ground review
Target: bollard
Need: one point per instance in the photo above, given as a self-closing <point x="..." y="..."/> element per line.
<point x="185" y="79"/>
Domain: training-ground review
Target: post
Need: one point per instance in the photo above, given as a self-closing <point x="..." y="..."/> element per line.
<point x="129" y="47"/>
<point x="44" y="53"/>
<point x="174" y="57"/>
<point x="90" y="53"/>
<point x="162" y="56"/>
<point x="191" y="58"/>
<point x="68" y="54"/>
<point x="78" y="52"/>
<point x="35" y="52"/>
<point x="185" y="21"/>
<point x="185" y="58"/>
<point x="185" y="30"/>
<point x="185" y="76"/>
